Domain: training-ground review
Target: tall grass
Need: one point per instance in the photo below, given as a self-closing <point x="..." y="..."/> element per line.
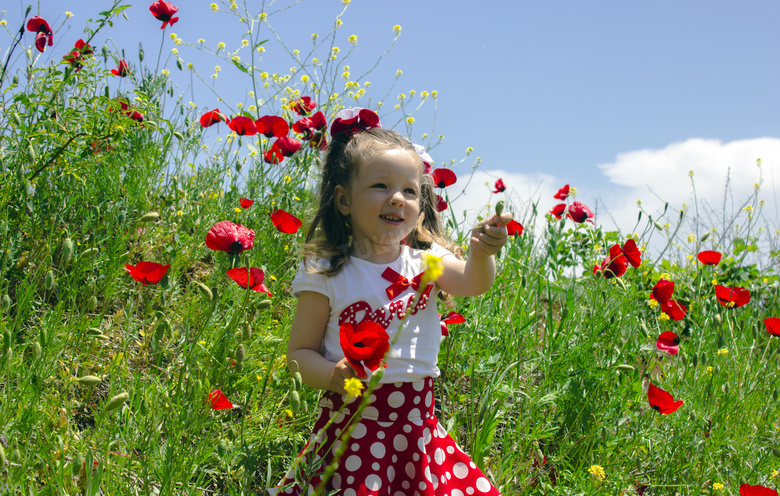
<point x="545" y="380"/>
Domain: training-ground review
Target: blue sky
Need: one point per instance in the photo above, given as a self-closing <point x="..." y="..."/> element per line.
<point x="620" y="99"/>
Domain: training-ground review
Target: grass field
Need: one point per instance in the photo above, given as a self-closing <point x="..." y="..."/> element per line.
<point x="105" y="382"/>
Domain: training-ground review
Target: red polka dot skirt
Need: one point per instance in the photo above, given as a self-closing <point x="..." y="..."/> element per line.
<point x="398" y="448"/>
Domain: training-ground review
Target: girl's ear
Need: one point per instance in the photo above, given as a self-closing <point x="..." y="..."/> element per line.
<point x="342" y="199"/>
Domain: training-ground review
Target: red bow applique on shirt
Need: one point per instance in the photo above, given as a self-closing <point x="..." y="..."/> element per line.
<point x="399" y="282"/>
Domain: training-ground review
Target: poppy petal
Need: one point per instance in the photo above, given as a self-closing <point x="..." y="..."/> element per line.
<point x="219" y="401"/>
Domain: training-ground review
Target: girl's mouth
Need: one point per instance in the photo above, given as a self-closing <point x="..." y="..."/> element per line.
<point x="391" y="218"/>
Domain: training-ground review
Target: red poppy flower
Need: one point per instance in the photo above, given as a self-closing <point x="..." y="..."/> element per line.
<point x="558" y="210"/>
<point x="662" y="401"/>
<point x="147" y="272"/>
<point x="772" y="326"/>
<point x="748" y="490"/>
<point x="367" y="342"/>
<point x="732" y="297"/>
<point x="499" y="186"/>
<point x="44" y="34"/>
<point x="562" y="193"/>
<point x="514" y="227"/>
<point x="246" y="202"/>
<point x="354" y="120"/>
<point x="272" y="126"/>
<point x="78" y="55"/>
<point x="441" y="204"/>
<point x="443" y="177"/>
<point x="668" y="342"/>
<point x="273" y="155"/>
<point x="579" y="212"/>
<point x="122" y="69"/>
<point x="309" y="126"/>
<point x="285" y="222"/>
<point x="287" y="145"/>
<point x="632" y="253"/>
<point x="219" y="401"/>
<point x="303" y="105"/>
<point x="131" y="113"/>
<point x="243" y="125"/>
<point x="450" y="318"/>
<point x="252" y="278"/>
<point x="229" y="237"/>
<point x="674" y="309"/>
<point x="213" y="117"/>
<point x="663" y="289"/>
<point x="163" y="11"/>
<point x="709" y="257"/>
<point x="614" y="265"/>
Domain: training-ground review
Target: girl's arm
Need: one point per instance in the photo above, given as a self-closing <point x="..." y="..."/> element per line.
<point x="308" y="330"/>
<point x="475" y="275"/>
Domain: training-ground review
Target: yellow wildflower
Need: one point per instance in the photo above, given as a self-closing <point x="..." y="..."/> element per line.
<point x="723" y="351"/>
<point x="165" y="72"/>
<point x="597" y="471"/>
<point x="214" y="7"/>
<point x="410" y="120"/>
<point x="220" y="46"/>
<point x="718" y="487"/>
<point x="397" y="29"/>
<point x="433" y="268"/>
<point x="353" y="386"/>
<point x="68" y="14"/>
<point x="352" y="39"/>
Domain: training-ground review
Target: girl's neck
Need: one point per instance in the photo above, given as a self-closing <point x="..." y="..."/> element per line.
<point x="378" y="254"/>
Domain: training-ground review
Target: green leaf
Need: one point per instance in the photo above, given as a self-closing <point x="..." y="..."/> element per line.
<point x="240" y="66"/>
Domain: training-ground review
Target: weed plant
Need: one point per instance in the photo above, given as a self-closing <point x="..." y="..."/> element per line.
<point x="107" y="385"/>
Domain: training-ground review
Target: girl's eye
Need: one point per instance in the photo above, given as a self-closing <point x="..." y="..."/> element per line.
<point x="410" y="191"/>
<point x="379" y="185"/>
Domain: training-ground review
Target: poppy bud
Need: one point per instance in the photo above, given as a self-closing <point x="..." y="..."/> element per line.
<point x="774" y="395"/>
<point x="624" y="368"/>
<point x="89" y="253"/>
<point x="703" y="358"/>
<point x="6" y="303"/>
<point x="718" y="318"/>
<point x="92" y="304"/>
<point x="643" y="328"/>
<point x="78" y="462"/>
<point x="6" y="341"/>
<point x="37" y="351"/>
<point x="685" y="360"/>
<point x="295" y="401"/>
<point x="692" y="416"/>
<point x="297" y="381"/>
<point x="500" y="207"/>
<point x="539" y="456"/>
<point x="604" y="435"/>
<point x="705" y="236"/>
<point x="178" y="135"/>
<point x="94" y="331"/>
<point x="15" y="79"/>
<point x="140" y="52"/>
<point x="222" y="448"/>
<point x="246" y="334"/>
<point x="30" y="153"/>
<point x="658" y="225"/>
<point x="29" y="54"/>
<point x="240" y="353"/>
<point x="149" y="216"/>
<point x="695" y="359"/>
<point x="104" y="52"/>
<point x="16" y="456"/>
<point x="116" y="402"/>
<point x="204" y="290"/>
<point x="42" y="338"/>
<point x="90" y="380"/>
<point x="3" y="460"/>
<point x="721" y="340"/>
<point x="725" y="388"/>
<point x="264" y="304"/>
<point x="17" y="121"/>
<point x="67" y="251"/>
<point x="179" y="65"/>
<point x="776" y="452"/>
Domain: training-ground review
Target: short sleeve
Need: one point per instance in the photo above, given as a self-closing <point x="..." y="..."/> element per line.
<point x="307" y="280"/>
<point x="439" y="251"/>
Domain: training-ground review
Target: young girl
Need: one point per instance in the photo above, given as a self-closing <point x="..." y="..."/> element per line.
<point x="376" y="218"/>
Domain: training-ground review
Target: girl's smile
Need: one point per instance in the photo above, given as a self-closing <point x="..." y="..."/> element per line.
<point x="382" y="203"/>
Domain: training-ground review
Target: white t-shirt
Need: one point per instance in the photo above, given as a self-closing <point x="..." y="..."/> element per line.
<point x="359" y="292"/>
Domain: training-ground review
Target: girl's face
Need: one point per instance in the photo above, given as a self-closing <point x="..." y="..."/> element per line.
<point x="383" y="204"/>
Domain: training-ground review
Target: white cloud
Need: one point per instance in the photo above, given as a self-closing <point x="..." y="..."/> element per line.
<point x="659" y="176"/>
<point x="652" y="176"/>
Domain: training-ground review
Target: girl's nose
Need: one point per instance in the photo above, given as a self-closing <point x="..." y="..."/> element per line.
<point x="397" y="198"/>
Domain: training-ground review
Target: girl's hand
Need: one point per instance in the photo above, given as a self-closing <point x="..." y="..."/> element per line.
<point x="489" y="235"/>
<point x="341" y="372"/>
